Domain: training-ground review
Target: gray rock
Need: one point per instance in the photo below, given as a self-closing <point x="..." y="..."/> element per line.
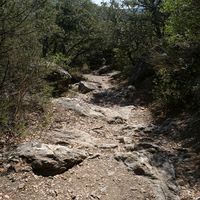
<point x="103" y="70"/>
<point x="78" y="106"/>
<point x="130" y="147"/>
<point x="85" y="87"/>
<point x="21" y="186"/>
<point x="137" y="162"/>
<point x="74" y="87"/>
<point x="64" y="72"/>
<point x="148" y="129"/>
<point x="139" y="127"/>
<point x="48" y="160"/>
<point x="91" y="110"/>
<point x="131" y="88"/>
<point x="70" y="137"/>
<point x="156" y="168"/>
<point x="125" y="140"/>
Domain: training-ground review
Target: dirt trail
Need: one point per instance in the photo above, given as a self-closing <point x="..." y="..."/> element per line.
<point x="122" y="162"/>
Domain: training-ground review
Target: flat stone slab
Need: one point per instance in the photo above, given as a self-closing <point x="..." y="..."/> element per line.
<point x="91" y="110"/>
<point x="71" y="137"/>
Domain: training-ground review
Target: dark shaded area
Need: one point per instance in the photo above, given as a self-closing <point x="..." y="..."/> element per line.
<point x="120" y="96"/>
<point x="177" y="136"/>
<point x="46" y="170"/>
<point x="142" y="73"/>
<point x="103" y="70"/>
<point x="123" y="94"/>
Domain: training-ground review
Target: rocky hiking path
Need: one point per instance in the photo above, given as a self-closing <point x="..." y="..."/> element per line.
<point x="99" y="147"/>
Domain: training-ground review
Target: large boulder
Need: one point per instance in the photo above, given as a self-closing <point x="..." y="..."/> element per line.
<point x="49" y="160"/>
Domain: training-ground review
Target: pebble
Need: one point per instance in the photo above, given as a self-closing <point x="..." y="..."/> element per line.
<point x="103" y="190"/>
<point x="111" y="173"/>
<point x="21" y="186"/>
<point x="125" y="140"/>
<point x="130" y="147"/>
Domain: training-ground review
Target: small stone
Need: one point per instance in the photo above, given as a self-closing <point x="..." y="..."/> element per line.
<point x="125" y="140"/>
<point x="95" y="196"/>
<point x="121" y="139"/>
<point x="2" y="170"/>
<point x="7" y="197"/>
<point x="52" y="193"/>
<point x="73" y="197"/>
<point x="86" y="87"/>
<point x="21" y="186"/>
<point x="111" y="173"/>
<point x="133" y="189"/>
<point x="130" y="147"/>
<point x="131" y="88"/>
<point x="11" y="178"/>
<point x="103" y="190"/>
<point x="26" y="169"/>
<point x="148" y="129"/>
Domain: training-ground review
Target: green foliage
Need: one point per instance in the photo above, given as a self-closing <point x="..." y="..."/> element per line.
<point x="21" y="28"/>
<point x="120" y="60"/>
<point x="183" y="23"/>
<point x="61" y="60"/>
<point x="78" y="24"/>
<point x="167" y="89"/>
<point x="177" y="80"/>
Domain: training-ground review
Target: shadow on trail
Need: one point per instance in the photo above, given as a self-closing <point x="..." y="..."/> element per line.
<point x="121" y="96"/>
<point x="177" y="136"/>
<point x="123" y="93"/>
